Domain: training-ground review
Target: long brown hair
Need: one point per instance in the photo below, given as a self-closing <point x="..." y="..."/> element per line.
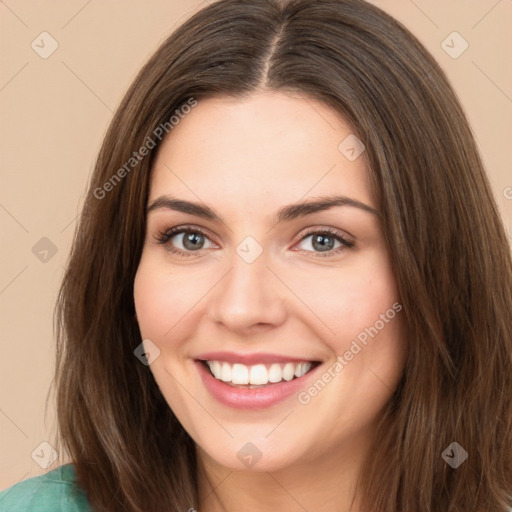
<point x="448" y="246"/>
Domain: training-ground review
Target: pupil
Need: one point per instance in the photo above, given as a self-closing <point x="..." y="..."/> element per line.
<point x="190" y="238"/>
<point x="323" y="246"/>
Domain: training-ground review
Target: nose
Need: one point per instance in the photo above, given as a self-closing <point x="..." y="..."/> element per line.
<point x="248" y="297"/>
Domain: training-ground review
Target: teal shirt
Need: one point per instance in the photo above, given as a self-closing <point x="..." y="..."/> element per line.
<point x="55" y="491"/>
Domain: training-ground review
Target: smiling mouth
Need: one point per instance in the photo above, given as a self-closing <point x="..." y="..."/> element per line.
<point x="258" y="375"/>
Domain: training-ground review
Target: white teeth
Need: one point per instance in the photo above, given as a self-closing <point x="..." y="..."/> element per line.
<point x="289" y="371"/>
<point x="275" y="374"/>
<point x="239" y="374"/>
<point x="216" y="369"/>
<point x="225" y="372"/>
<point x="259" y="374"/>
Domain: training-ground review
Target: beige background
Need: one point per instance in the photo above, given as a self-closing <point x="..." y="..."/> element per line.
<point x="55" y="112"/>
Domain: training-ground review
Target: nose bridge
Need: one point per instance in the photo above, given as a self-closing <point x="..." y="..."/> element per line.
<point x="249" y="293"/>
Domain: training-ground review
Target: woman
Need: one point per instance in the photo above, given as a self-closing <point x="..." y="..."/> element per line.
<point x="342" y="338"/>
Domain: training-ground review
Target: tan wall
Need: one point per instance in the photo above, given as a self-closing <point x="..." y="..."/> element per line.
<point x="55" y="111"/>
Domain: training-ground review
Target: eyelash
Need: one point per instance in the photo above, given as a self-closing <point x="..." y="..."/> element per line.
<point x="162" y="237"/>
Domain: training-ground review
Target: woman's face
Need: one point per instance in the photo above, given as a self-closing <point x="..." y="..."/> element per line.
<point x="260" y="292"/>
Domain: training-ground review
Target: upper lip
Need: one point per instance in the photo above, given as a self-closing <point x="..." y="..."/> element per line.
<point x="251" y="359"/>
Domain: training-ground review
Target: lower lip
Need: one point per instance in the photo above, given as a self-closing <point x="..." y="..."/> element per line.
<point x="256" y="398"/>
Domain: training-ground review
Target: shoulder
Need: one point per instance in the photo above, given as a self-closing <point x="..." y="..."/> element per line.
<point x="55" y="491"/>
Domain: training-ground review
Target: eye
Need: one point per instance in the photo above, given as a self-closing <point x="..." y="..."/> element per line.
<point x="192" y="239"/>
<point x="324" y="240"/>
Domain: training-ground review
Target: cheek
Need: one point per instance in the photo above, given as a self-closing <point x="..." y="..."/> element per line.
<point x="169" y="303"/>
<point x="349" y="299"/>
<point x="150" y="304"/>
<point x="157" y="302"/>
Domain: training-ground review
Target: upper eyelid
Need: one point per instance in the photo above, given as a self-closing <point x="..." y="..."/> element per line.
<point x="190" y="227"/>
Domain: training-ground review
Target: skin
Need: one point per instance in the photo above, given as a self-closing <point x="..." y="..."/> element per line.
<point x="246" y="159"/>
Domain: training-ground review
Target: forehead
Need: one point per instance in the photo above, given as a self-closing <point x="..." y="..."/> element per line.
<point x="270" y="146"/>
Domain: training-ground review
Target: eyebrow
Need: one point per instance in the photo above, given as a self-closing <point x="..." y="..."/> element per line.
<point x="287" y="213"/>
